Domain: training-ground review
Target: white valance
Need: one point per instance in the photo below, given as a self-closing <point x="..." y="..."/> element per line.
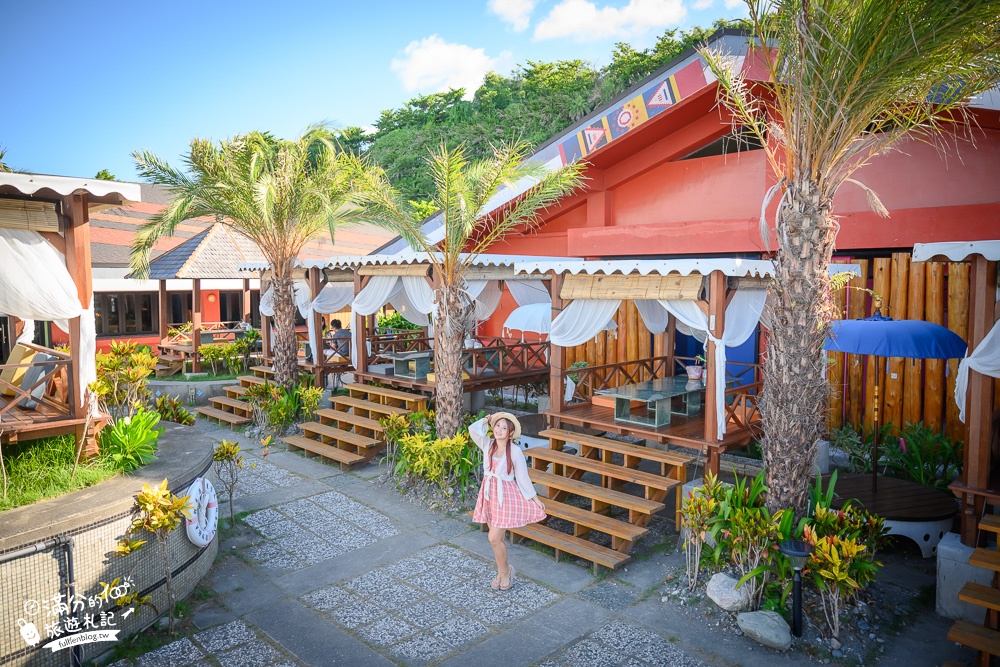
<point x="35" y="285"/>
<point x="984" y="359"/>
<point x="528" y="291"/>
<point x="581" y="320"/>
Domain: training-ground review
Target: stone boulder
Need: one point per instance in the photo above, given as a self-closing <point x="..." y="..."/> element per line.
<point x="767" y="628"/>
<point x="722" y="591"/>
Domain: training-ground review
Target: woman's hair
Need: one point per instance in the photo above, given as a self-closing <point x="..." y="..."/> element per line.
<point x="493" y="446"/>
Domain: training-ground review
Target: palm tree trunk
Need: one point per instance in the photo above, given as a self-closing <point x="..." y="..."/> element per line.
<point x="286" y="366"/>
<point x="449" y="335"/>
<point x="794" y="403"/>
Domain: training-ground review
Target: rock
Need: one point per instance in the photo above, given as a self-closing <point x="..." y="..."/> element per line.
<point x="835" y="643"/>
<point x="837" y="653"/>
<point x="863" y="626"/>
<point x="767" y="628"/>
<point x="722" y="591"/>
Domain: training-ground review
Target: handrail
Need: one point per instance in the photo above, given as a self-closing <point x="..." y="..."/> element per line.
<point x="498" y="358"/>
<point x="57" y="366"/>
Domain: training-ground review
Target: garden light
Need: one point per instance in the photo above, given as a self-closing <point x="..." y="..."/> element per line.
<point x="797" y="552"/>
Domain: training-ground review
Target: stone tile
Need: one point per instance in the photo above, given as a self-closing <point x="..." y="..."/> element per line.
<point x="396" y="596"/>
<point x="444" y="555"/>
<point x="529" y="595"/>
<point x="358" y="613"/>
<point x="329" y="499"/>
<point x="264" y="551"/>
<point x="386" y="630"/>
<point x="610" y="595"/>
<point x="316" y="552"/>
<point x="370" y="582"/>
<point x="407" y="568"/>
<point x="174" y="654"/>
<point x="328" y="598"/>
<point x="484" y="604"/>
<point x="209" y="615"/>
<point x="254" y="654"/>
<point x="264" y="517"/>
<point x="589" y="653"/>
<point x="421" y="647"/>
<point x="427" y="613"/>
<point x="459" y="630"/>
<point x="283" y="562"/>
<point x="435" y="580"/>
<point x="255" y="593"/>
<point x="284" y="528"/>
<point x="225" y="636"/>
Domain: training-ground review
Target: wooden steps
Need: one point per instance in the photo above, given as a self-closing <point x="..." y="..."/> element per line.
<point x="976" y="637"/>
<point x="341" y="436"/>
<point x="639" y="509"/>
<point x="234" y="405"/>
<point x="332" y="452"/>
<point x="986" y="558"/>
<point x="235" y="390"/>
<point x="262" y="372"/>
<point x="585" y="521"/>
<point x="168" y="365"/>
<point x="247" y="380"/>
<point x="656" y="486"/>
<point x="350" y="422"/>
<point x="979" y="595"/>
<point x="990" y="523"/>
<point x="385" y="396"/>
<point x="364" y="408"/>
<point x="567" y="544"/>
<point x="222" y="416"/>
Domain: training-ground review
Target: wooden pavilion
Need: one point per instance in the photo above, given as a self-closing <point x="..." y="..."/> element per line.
<point x="52" y="214"/>
<point x="214" y="253"/>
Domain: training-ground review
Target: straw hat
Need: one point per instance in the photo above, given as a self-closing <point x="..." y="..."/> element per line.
<point x="513" y="420"/>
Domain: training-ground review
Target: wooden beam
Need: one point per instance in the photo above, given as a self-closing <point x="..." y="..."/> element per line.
<point x="359" y="330"/>
<point x="599" y="209"/>
<point x="631" y="287"/>
<point x="315" y="285"/>
<point x="246" y="314"/>
<point x="716" y="326"/>
<point x="196" y="324"/>
<point x="395" y="270"/>
<point x="557" y="356"/>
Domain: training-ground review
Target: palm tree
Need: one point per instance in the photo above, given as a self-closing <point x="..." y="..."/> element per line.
<point x="848" y="80"/>
<point x="462" y="192"/>
<point x="278" y="194"/>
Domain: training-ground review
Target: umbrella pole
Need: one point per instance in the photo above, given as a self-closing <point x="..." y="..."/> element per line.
<point x="875" y="432"/>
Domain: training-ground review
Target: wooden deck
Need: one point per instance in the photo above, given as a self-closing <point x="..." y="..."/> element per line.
<point x="896" y="499"/>
<point x="687" y="432"/>
<point x="42" y="422"/>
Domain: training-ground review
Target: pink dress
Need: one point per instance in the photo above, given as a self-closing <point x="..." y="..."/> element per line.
<point x="505" y="497"/>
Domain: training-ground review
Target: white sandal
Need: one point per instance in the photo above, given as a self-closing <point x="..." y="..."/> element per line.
<point x="510" y="579"/>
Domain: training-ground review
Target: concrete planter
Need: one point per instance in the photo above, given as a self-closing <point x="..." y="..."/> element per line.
<point x="190" y="392"/>
<point x="94" y="519"/>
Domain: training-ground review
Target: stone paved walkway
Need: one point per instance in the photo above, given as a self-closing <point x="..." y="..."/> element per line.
<point x="334" y="569"/>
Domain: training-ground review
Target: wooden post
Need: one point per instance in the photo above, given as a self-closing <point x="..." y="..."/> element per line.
<point x="979" y="398"/>
<point x="196" y="325"/>
<point x="881" y="286"/>
<point x="958" y="321"/>
<point x="78" y="264"/>
<point x="670" y="343"/>
<point x="557" y="360"/>
<point x="934" y="368"/>
<point x="855" y="309"/>
<point x="913" y="372"/>
<point x="164" y="323"/>
<point x="361" y="329"/>
<point x="716" y="327"/>
<point x="898" y="311"/>
<point x="835" y="371"/>
<point x="314" y="287"/>
<point x="247" y="314"/>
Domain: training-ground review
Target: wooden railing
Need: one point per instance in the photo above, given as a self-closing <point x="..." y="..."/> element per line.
<point x="383" y="345"/>
<point x="218" y="331"/>
<point x="505" y="357"/>
<point x="59" y="405"/>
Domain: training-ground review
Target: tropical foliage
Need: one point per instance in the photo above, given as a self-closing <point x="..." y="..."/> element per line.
<point x="279" y="194"/>
<point x="415" y="452"/>
<point x="228" y="464"/>
<point x="130" y="442"/>
<point x="846" y="80"/>
<point x="462" y="191"/>
<point x="122" y="381"/>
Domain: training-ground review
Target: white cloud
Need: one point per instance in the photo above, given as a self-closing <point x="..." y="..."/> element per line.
<point x="705" y="4"/>
<point x="515" y="12"/>
<point x="583" y="20"/>
<point x="434" y="65"/>
<point x="736" y="4"/>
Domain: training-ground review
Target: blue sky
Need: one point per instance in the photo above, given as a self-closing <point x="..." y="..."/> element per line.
<point x="89" y="82"/>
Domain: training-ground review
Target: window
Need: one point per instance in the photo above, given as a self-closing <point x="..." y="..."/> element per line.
<point x="230" y="306"/>
<point x="125" y="313"/>
<point x="180" y="309"/>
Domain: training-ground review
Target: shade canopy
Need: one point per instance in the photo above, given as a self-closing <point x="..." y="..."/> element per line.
<point x="886" y="337"/>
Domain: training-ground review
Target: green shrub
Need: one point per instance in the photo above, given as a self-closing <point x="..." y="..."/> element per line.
<point x="416" y="453"/>
<point x="395" y="321"/>
<point x="44" y="468"/>
<point x="925" y="457"/>
<point x="122" y="378"/>
<point x="130" y="442"/>
<point x="171" y="409"/>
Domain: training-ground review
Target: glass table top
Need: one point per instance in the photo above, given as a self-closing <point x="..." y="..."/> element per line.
<point x="655" y="390"/>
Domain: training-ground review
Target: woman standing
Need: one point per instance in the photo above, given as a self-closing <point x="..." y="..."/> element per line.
<point x="507" y="498"/>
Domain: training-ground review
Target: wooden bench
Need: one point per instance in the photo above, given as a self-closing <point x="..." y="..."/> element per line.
<point x="223" y="416"/>
<point x="639" y="509"/>
<point x="262" y="372"/>
<point x="386" y="396"/>
<point x="655" y="487"/>
<point x="247" y="380"/>
<point x="672" y="464"/>
<point x="365" y="408"/>
<point x="975" y="637"/>
<point x="567" y="544"/>
<point x="332" y="452"/>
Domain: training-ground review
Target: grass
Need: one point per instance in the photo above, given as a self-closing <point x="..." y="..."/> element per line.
<point x="38" y="469"/>
<point x="211" y="377"/>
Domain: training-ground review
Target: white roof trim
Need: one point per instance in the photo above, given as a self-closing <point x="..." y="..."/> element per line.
<point x="644" y="267"/>
<point x="402" y="259"/>
<point x="29" y="184"/>
<point x="956" y="251"/>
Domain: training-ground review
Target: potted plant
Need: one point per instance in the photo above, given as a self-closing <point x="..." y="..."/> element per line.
<point x="695" y="370"/>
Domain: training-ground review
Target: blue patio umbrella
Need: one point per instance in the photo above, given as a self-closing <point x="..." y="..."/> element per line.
<point x="885" y="337"/>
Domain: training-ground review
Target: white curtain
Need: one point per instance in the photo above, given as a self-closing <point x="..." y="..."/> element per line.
<point x="653" y="315"/>
<point x="528" y="291"/>
<point x="27" y="332"/>
<point x="420" y="294"/>
<point x="487" y="295"/>
<point x="376" y="294"/>
<point x="35" y="285"/>
<point x="266" y="306"/>
<point x="742" y="316"/>
<point x="581" y="320"/>
<point x="984" y="359"/>
<point x="331" y="299"/>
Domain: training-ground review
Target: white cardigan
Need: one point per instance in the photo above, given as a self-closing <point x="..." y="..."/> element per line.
<point x="477" y="431"/>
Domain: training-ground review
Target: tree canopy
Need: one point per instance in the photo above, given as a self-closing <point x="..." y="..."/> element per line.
<point x="532" y="104"/>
